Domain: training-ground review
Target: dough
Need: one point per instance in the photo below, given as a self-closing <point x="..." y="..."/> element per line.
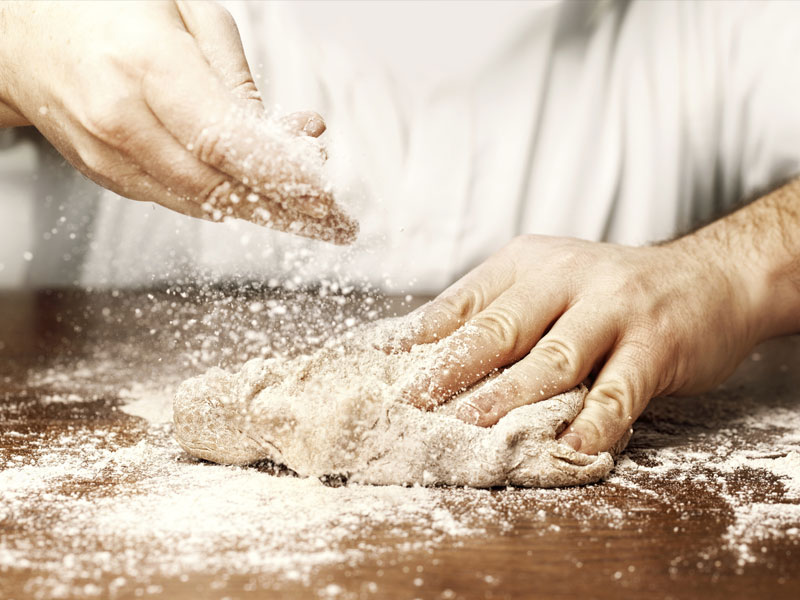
<point x="337" y="413"/>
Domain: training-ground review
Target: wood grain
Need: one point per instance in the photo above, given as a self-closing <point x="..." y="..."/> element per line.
<point x="666" y="540"/>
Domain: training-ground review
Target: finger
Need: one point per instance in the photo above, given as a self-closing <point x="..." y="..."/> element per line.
<point x="142" y="187"/>
<point x="561" y="360"/>
<point x="158" y="153"/>
<point x="129" y="179"/>
<point x="499" y="335"/>
<point x="619" y="395"/>
<point x="305" y="122"/>
<point x="194" y="106"/>
<point x="196" y="189"/>
<point x="217" y="196"/>
<point x="217" y="36"/>
<point x="457" y="304"/>
<point x="215" y="31"/>
<point x="336" y="227"/>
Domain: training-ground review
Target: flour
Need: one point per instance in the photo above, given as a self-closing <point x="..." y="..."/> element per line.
<point x="222" y="519"/>
<point x="96" y="495"/>
<point x="154" y="405"/>
<point x="340" y="413"/>
<point x="758" y="523"/>
<point x="273" y="530"/>
<point x="282" y="181"/>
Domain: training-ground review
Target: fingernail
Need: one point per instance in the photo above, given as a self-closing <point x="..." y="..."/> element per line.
<point x="483" y="403"/>
<point x="573" y="440"/>
<point x="313" y="127"/>
<point x="468" y="413"/>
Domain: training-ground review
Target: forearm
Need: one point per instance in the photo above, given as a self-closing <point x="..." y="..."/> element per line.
<point x="759" y="246"/>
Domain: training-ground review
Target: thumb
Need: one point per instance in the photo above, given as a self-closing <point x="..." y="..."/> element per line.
<point x="618" y="396"/>
<point x="217" y="36"/>
<point x="305" y="122"/>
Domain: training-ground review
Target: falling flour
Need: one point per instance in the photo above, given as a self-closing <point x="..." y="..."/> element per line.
<point x="285" y="187"/>
<point x="339" y="413"/>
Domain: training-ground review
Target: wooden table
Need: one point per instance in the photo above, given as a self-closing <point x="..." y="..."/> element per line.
<point x="692" y="531"/>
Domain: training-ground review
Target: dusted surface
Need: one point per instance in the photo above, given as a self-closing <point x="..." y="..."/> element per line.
<point x="705" y="501"/>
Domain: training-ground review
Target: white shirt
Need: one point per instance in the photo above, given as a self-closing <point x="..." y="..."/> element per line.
<point x="453" y="127"/>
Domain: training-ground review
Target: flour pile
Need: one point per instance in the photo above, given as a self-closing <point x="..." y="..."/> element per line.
<point x="339" y="413"/>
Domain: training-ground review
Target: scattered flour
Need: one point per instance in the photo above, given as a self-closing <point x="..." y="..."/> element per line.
<point x="98" y="507"/>
<point x="169" y="517"/>
<point x="151" y="404"/>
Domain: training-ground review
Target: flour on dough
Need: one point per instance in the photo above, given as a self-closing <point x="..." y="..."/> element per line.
<point x="337" y="412"/>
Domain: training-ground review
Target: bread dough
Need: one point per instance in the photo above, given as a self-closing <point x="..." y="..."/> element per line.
<point x="338" y="413"/>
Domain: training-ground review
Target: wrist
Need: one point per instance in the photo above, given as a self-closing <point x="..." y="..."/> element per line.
<point x="757" y="249"/>
<point x="721" y="279"/>
<point x="778" y="257"/>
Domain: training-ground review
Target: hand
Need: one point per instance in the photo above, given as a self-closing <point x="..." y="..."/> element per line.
<point x="156" y="102"/>
<point x="669" y="319"/>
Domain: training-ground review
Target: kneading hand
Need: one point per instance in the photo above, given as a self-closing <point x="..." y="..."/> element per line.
<point x="647" y="321"/>
<point x="155" y="101"/>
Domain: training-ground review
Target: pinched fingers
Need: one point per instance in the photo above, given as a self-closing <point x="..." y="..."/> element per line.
<point x="561" y="360"/>
<point x="217" y="36"/>
<point x="305" y="122"/>
<point x="190" y="186"/>
<point x="215" y="126"/>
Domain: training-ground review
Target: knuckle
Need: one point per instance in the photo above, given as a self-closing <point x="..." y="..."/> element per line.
<point x="560" y="356"/>
<point x="91" y="161"/>
<point x="209" y="147"/>
<point x="243" y="86"/>
<point x="639" y="289"/>
<point x="570" y="257"/>
<point x="501" y="327"/>
<point x="460" y="305"/>
<point x="104" y="124"/>
<point x="613" y="400"/>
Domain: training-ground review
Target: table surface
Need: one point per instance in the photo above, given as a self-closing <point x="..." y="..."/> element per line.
<point x="704" y="503"/>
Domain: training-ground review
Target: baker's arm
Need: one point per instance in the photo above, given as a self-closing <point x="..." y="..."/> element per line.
<point x="675" y="318"/>
<point x="762" y="241"/>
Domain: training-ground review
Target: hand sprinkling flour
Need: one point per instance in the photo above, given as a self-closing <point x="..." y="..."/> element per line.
<point x="156" y="102"/>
